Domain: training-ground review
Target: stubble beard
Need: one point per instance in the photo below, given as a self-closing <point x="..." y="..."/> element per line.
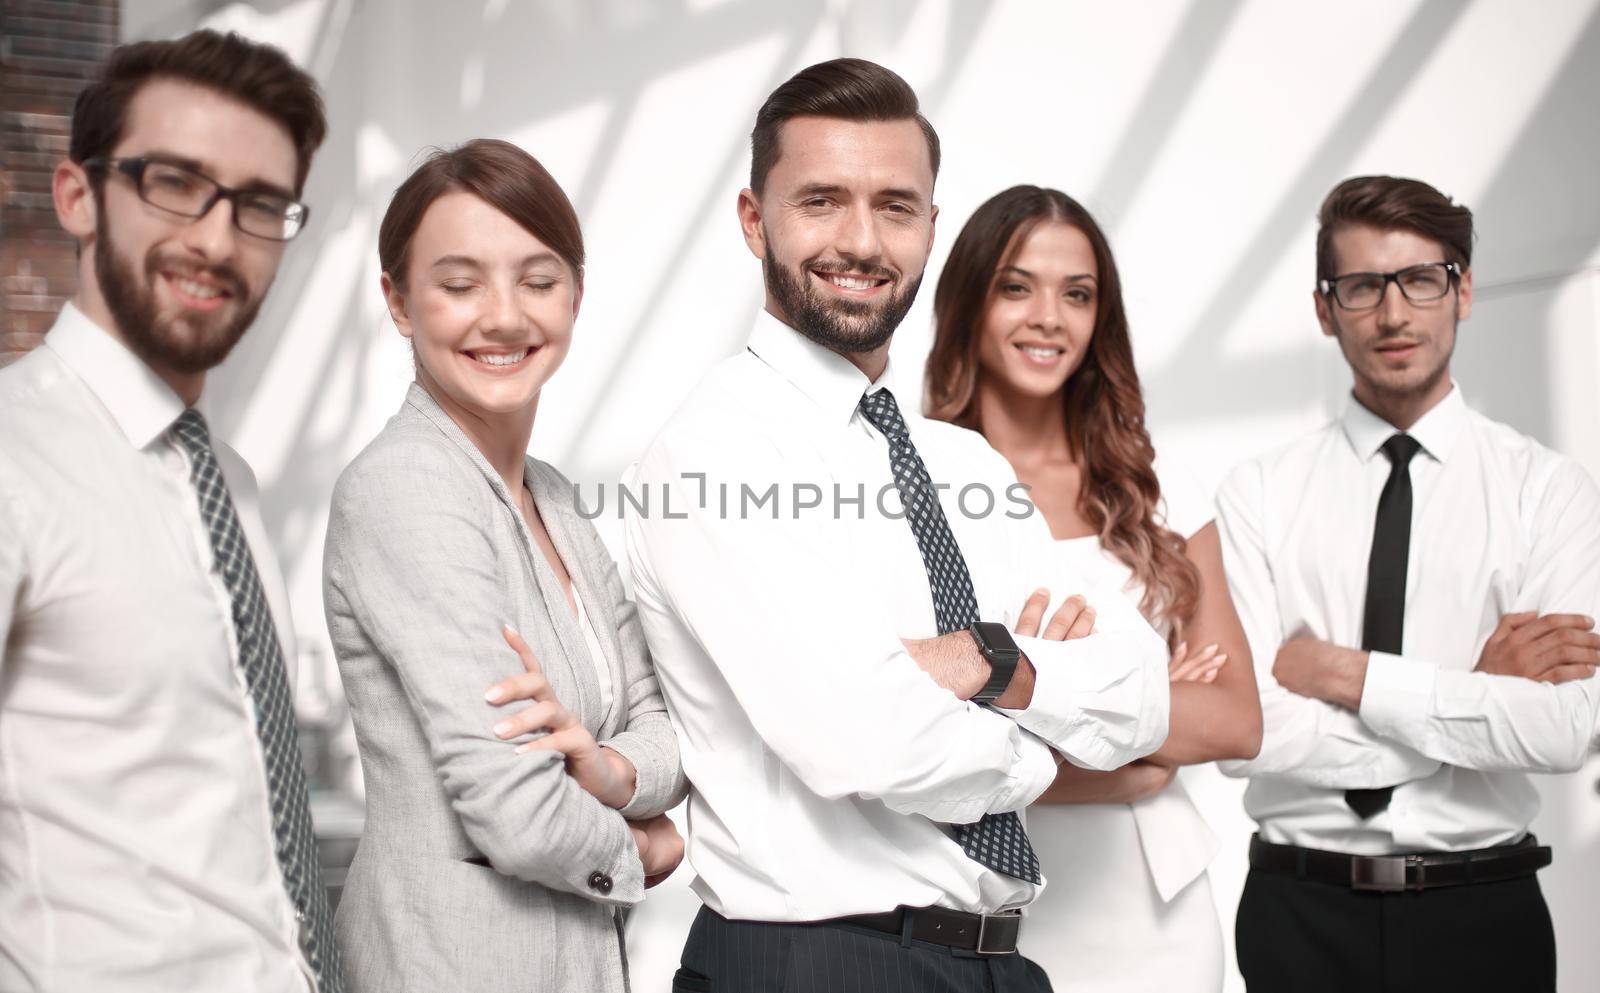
<point x="160" y="341"/>
<point x="844" y="326"/>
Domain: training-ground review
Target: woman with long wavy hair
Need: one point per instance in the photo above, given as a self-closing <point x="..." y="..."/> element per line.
<point x="1031" y="349"/>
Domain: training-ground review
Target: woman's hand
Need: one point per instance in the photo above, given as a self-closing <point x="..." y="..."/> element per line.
<point x="1197" y="667"/>
<point x="660" y="847"/>
<point x="1132" y="782"/>
<point x="606" y="774"/>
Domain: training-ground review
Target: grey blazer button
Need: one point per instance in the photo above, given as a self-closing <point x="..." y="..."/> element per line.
<point x="600" y="882"/>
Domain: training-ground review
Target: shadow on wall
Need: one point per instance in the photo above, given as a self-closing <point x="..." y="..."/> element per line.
<point x="1540" y="204"/>
<point x="531" y="61"/>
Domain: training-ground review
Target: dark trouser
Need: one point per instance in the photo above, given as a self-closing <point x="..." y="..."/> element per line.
<point x="1300" y="936"/>
<point x="723" y="956"/>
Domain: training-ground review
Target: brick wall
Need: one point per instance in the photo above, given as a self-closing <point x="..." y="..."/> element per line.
<point x="48" y="50"/>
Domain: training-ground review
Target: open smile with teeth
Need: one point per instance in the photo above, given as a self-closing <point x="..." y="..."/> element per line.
<point x="848" y="282"/>
<point x="197" y="291"/>
<point x="499" y="359"/>
<point x="1041" y="353"/>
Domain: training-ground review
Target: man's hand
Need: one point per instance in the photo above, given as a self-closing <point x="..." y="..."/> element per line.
<point x="1554" y="648"/>
<point x="1073" y="619"/>
<point x="1132" y="782"/>
<point x="660" y="847"/>
<point x="1316" y="669"/>
<point x="606" y="774"/>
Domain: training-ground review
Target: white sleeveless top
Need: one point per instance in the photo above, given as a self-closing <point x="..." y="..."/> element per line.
<point x="1177" y="842"/>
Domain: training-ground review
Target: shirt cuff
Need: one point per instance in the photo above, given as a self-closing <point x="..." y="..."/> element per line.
<point x="1036" y="770"/>
<point x="1050" y="714"/>
<point x="1396" y="696"/>
<point x="1055" y="716"/>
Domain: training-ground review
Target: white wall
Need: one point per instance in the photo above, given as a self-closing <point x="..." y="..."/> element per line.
<point x="1202" y="134"/>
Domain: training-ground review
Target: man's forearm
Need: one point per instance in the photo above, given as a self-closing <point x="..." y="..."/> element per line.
<point x="956" y="663"/>
<point x="1322" y="671"/>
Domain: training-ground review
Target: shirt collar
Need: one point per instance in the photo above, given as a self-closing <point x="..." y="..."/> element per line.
<point x="141" y="403"/>
<point x="828" y="378"/>
<point x="1436" y="431"/>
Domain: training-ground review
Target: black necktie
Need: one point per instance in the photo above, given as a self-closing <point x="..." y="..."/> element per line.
<point x="261" y="659"/>
<point x="996" y="841"/>
<point x="1383" y="624"/>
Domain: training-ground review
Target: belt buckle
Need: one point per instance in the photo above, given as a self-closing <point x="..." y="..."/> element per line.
<point x="1011" y="922"/>
<point x="1386" y="873"/>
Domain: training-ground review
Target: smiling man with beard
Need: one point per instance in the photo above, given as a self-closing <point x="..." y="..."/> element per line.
<point x="154" y="828"/>
<point x="859" y="728"/>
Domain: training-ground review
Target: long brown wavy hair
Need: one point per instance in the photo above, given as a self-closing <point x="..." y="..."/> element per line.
<point x="1101" y="401"/>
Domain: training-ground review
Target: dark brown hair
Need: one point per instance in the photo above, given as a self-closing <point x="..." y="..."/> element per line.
<point x="1387" y="203"/>
<point x="1101" y="402"/>
<point x="496" y="172"/>
<point x="847" y="89"/>
<point x="256" y="75"/>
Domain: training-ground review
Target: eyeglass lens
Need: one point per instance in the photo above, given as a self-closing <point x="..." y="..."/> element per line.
<point x="184" y="192"/>
<point x="1419" y="284"/>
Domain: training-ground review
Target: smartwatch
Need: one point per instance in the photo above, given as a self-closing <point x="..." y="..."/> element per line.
<point x="994" y="641"/>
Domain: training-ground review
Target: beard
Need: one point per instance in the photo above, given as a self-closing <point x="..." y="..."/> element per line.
<point x="844" y="326"/>
<point x="186" y="343"/>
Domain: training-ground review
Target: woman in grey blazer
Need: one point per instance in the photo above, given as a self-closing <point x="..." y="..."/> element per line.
<point x="500" y="846"/>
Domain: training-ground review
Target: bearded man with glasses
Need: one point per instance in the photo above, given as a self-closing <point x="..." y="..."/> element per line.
<point x="1418" y="585"/>
<point x="154" y="825"/>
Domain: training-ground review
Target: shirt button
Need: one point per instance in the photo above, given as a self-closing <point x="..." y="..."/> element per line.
<point x="600" y="882"/>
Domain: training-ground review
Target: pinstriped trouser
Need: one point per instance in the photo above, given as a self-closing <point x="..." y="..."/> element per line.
<point x="723" y="956"/>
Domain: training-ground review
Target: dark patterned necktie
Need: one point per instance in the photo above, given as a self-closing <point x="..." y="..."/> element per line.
<point x="1383" y="623"/>
<point x="261" y="659"/>
<point x="997" y="841"/>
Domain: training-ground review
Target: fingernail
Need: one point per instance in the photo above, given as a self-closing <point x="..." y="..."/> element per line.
<point x="503" y="728"/>
<point x="1221" y="659"/>
<point x="523" y="747"/>
<point x="495" y="694"/>
<point x="511" y="630"/>
<point x="1041" y="591"/>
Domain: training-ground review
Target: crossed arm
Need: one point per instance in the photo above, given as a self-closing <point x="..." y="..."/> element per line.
<point x="1337" y="717"/>
<point x="411" y="564"/>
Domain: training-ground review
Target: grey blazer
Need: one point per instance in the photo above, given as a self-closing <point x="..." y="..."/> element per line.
<point x="426" y="558"/>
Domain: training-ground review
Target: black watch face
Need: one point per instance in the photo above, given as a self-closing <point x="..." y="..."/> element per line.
<point x="993" y="638"/>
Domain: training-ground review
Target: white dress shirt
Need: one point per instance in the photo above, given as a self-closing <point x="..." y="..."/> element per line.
<point x="1500" y="524"/>
<point x="136" y="843"/>
<point x="823" y="762"/>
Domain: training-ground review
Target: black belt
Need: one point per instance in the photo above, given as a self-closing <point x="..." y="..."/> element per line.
<point x="986" y="934"/>
<point x="1398" y="873"/>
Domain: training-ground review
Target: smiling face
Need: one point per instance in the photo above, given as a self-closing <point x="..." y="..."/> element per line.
<point x="489" y="308"/>
<point x="180" y="291"/>
<point x="1398" y="351"/>
<point x="1041" y="311"/>
<point x="843" y="227"/>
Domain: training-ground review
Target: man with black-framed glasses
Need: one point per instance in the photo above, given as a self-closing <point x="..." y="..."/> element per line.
<point x="154" y="826"/>
<point x="1418" y="584"/>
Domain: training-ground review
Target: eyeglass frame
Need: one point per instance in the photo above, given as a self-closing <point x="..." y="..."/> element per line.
<point x="1329" y="288"/>
<point x="134" y="166"/>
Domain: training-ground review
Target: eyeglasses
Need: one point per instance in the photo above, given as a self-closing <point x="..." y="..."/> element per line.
<point x="187" y="193"/>
<point x="1418" y="283"/>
